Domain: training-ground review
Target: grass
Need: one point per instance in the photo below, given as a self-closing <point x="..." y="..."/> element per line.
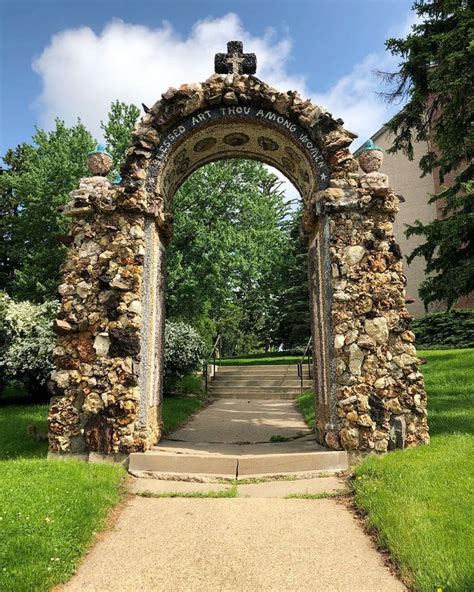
<point x="305" y="404"/>
<point x="14" y="440"/>
<point x="50" y="511"/>
<point x="49" y="514"/>
<point x="227" y="493"/>
<point x="177" y="410"/>
<point x="272" y="358"/>
<point x="278" y="438"/>
<point x="318" y="496"/>
<point x="420" y="501"/>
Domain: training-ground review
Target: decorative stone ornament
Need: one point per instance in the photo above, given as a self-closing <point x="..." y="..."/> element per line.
<point x="370" y="157"/>
<point x="235" y="61"/>
<point x="99" y="161"/>
<point x="107" y="382"/>
<point x="370" y="160"/>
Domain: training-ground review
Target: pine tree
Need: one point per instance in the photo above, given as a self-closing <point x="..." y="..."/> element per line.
<point x="436" y="78"/>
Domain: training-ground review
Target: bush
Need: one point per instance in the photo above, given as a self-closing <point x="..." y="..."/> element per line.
<point x="442" y="330"/>
<point x="184" y="350"/>
<point x="26" y="342"/>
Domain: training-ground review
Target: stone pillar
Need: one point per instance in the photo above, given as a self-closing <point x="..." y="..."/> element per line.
<point x="97" y="407"/>
<point x="380" y="399"/>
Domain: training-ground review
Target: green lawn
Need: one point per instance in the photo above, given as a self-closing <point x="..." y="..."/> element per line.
<point x="264" y="359"/>
<point x="421" y="501"/>
<point x="14" y="441"/>
<point x="49" y="510"/>
<point x="177" y="410"/>
<point x="306" y="406"/>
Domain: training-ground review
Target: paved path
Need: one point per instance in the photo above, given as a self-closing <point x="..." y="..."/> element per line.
<point x="255" y="542"/>
<point x="237" y="420"/>
<point x="234" y="545"/>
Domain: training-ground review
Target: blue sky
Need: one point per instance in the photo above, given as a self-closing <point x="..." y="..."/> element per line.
<point x="70" y="58"/>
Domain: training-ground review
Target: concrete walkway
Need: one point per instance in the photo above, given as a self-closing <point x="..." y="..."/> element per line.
<point x="242" y="421"/>
<point x="234" y="545"/>
<point x="239" y="437"/>
<point x="253" y="540"/>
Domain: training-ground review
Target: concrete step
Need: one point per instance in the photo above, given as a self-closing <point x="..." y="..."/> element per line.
<point x="257" y="387"/>
<point x="259" y="377"/>
<point x="222" y="381"/>
<point x="235" y="465"/>
<point x="252" y="395"/>
<point x="260" y="369"/>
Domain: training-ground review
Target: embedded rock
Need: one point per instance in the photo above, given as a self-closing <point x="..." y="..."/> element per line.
<point x="102" y="344"/>
<point x="377" y="328"/>
<point x="356" y="357"/>
<point x="354" y="254"/>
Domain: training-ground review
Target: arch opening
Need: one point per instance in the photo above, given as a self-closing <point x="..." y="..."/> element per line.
<point x="219" y="134"/>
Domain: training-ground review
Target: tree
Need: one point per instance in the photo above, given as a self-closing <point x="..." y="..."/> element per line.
<point x="223" y="261"/>
<point x="118" y="129"/>
<point x="38" y="181"/>
<point x="436" y="78"/>
<point x="9" y="210"/>
<point x="294" y="327"/>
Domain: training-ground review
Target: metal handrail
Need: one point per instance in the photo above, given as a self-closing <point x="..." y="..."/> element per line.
<point x="214" y="355"/>
<point x="306" y="358"/>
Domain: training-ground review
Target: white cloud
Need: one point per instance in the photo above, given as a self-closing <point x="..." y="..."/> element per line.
<point x="82" y="72"/>
<point x="354" y="97"/>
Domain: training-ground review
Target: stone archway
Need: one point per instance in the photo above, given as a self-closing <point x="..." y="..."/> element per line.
<point x="108" y="358"/>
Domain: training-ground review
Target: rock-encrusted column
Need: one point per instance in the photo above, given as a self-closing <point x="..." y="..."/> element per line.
<point x="96" y="407"/>
<point x="380" y="399"/>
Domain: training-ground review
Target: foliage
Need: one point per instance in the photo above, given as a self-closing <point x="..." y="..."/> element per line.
<point x="293" y="310"/>
<point x="436" y="79"/>
<point x="184" y="349"/>
<point x="441" y="330"/>
<point x="190" y="384"/>
<point x="37" y="181"/>
<point x="118" y="128"/>
<point x="26" y="341"/>
<point x="429" y="539"/>
<point x="224" y="260"/>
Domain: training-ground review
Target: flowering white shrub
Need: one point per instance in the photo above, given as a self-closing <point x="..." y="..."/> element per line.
<point x="184" y="349"/>
<point x="26" y="340"/>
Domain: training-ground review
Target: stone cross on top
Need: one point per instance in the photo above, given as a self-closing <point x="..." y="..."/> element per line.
<point x="235" y="61"/>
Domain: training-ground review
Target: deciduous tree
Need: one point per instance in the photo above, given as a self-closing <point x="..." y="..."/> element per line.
<point x="118" y="128"/>
<point x="38" y="181"/>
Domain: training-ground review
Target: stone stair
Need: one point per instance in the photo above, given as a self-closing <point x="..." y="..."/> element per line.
<point x="259" y="382"/>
